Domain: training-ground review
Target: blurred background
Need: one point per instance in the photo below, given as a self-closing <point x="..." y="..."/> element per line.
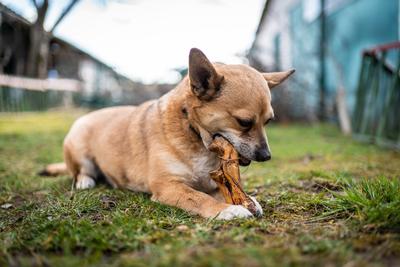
<point x="94" y="53"/>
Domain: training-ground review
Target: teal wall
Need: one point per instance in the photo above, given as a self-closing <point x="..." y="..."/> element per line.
<point x="361" y="24"/>
<point x="304" y="54"/>
<point x="351" y="28"/>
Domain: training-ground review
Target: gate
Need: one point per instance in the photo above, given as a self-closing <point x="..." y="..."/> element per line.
<point x="377" y="112"/>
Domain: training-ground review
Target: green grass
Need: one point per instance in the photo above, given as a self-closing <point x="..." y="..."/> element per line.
<point x="328" y="201"/>
<point x="375" y="203"/>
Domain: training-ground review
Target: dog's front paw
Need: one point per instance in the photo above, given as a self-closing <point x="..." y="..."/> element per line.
<point x="259" y="211"/>
<point x="234" y="211"/>
<point x="84" y="182"/>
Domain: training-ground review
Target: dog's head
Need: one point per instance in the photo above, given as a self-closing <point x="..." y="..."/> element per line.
<point x="233" y="101"/>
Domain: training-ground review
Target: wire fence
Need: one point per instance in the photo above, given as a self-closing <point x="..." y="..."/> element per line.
<point x="26" y="94"/>
<point x="18" y="100"/>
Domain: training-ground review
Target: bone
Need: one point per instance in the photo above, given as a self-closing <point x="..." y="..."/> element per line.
<point x="227" y="176"/>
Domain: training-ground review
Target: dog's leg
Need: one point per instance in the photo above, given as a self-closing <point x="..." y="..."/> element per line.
<point x="218" y="196"/>
<point x="180" y="195"/>
<point x="86" y="177"/>
<point x="84" y="182"/>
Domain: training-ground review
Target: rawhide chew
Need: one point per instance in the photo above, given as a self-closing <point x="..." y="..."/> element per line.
<point x="227" y="176"/>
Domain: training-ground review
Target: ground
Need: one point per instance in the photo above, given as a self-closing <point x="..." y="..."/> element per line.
<point x="328" y="201"/>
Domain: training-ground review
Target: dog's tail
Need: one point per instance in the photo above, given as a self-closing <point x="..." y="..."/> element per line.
<point x="54" y="169"/>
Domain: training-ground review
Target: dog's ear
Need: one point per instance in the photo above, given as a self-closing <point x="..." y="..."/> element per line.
<point x="205" y="82"/>
<point x="276" y="78"/>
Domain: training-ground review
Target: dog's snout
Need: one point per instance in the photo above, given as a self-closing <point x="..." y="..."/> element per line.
<point x="263" y="154"/>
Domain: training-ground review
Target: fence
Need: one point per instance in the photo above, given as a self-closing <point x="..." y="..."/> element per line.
<point x="377" y="113"/>
<point x="26" y="94"/>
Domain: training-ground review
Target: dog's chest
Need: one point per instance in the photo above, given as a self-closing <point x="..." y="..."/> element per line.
<point x="202" y="165"/>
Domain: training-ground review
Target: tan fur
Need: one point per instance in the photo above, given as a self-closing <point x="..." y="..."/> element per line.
<point x="151" y="148"/>
<point x="55" y="169"/>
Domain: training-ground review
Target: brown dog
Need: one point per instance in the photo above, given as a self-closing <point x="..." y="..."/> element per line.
<point x="160" y="147"/>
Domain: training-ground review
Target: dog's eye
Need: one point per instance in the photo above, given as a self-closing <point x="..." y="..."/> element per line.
<point x="245" y="123"/>
<point x="270" y="119"/>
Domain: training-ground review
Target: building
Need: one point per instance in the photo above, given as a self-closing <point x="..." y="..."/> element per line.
<point x="101" y="84"/>
<point x="323" y="40"/>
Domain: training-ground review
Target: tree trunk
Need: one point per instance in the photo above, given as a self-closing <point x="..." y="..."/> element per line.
<point x="38" y="52"/>
<point x="38" y="42"/>
<point x="34" y="47"/>
<point x="43" y="56"/>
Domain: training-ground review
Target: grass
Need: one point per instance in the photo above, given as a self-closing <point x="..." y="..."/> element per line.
<point x="374" y="203"/>
<point x="328" y="201"/>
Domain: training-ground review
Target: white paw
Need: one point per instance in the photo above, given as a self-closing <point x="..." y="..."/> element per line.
<point x="234" y="211"/>
<point x="258" y="207"/>
<point x="85" y="182"/>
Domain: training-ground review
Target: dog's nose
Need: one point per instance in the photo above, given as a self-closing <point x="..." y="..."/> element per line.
<point x="263" y="155"/>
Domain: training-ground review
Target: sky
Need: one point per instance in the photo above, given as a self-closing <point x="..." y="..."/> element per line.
<point x="147" y="39"/>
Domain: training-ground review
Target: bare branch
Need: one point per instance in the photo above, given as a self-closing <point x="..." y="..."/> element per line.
<point x="64" y="13"/>
<point x="35" y="4"/>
